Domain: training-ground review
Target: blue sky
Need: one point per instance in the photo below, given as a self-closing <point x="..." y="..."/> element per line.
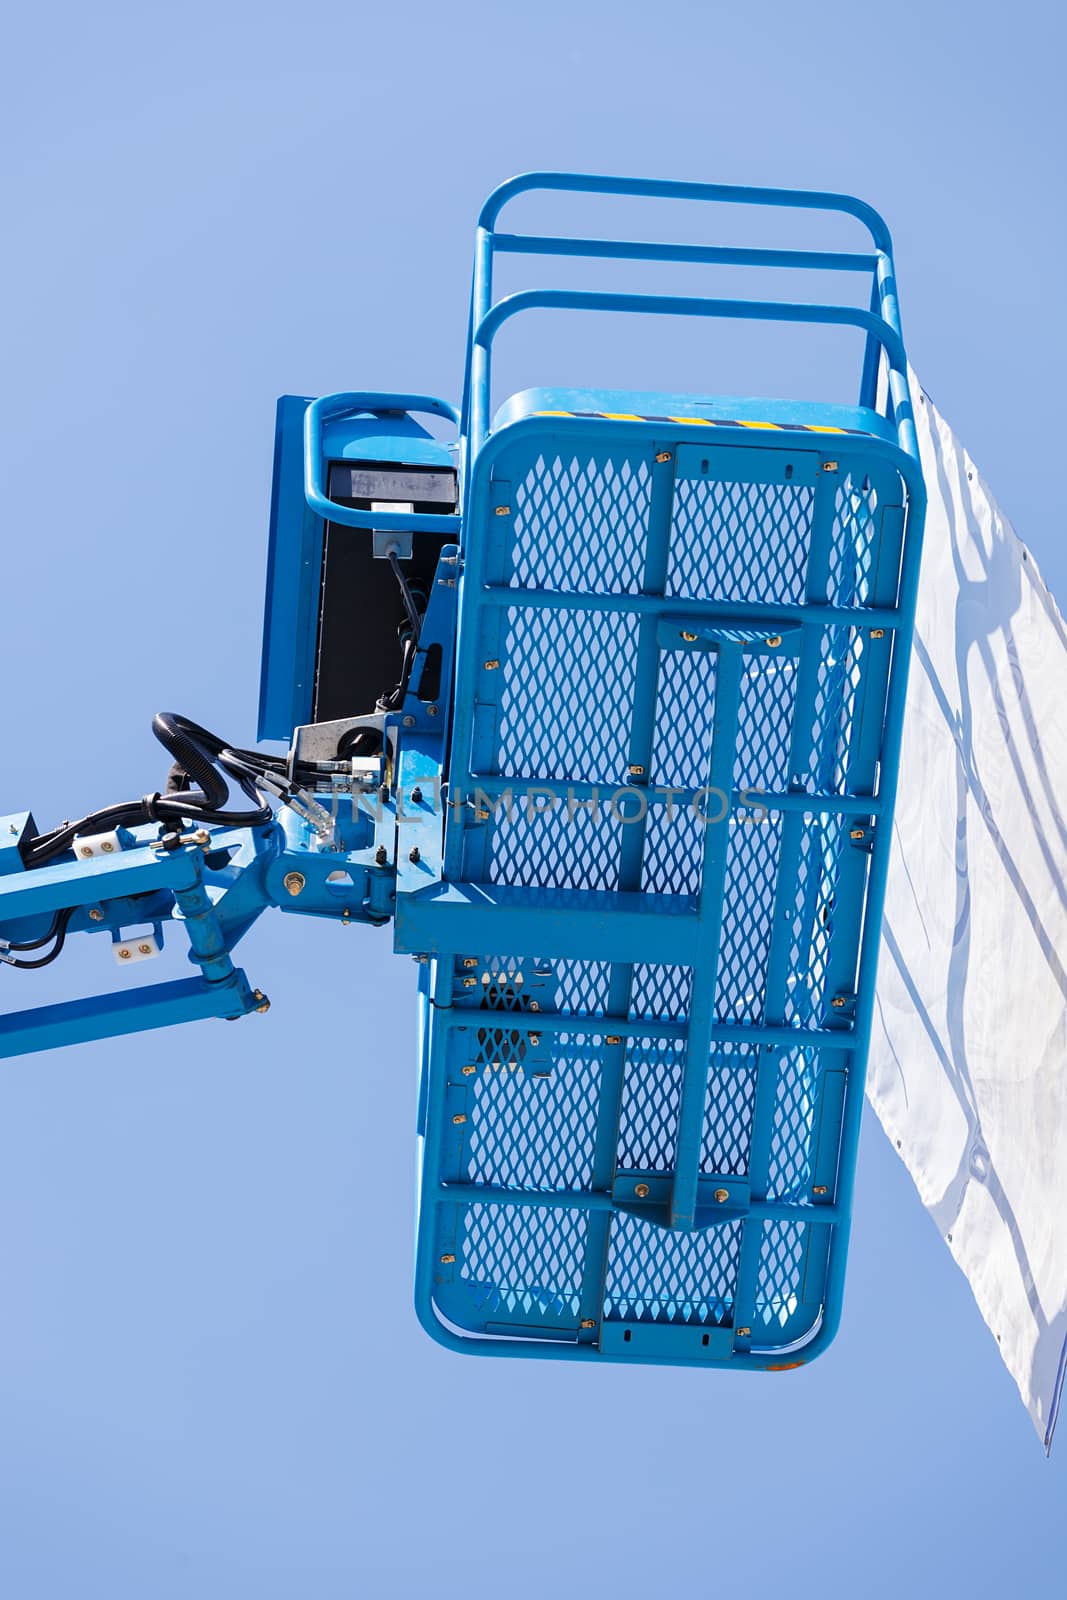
<point x="211" y="1380"/>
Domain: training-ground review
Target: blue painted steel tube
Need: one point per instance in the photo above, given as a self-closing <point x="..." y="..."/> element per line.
<point x="337" y="405"/>
<point x="129" y="1011"/>
<point x="674" y="189"/>
<point x="530" y="244"/>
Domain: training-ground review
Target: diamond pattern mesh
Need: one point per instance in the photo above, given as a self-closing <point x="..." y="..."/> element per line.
<point x="530" y="1131"/>
<point x="779" y="1275"/>
<point x="580" y="525"/>
<point x="566" y="695"/>
<point x="731" y="1100"/>
<point x="655" y="1275"/>
<point x="792" y="1134"/>
<point x="524" y="1258"/>
<point x="740" y="541"/>
<point x="748" y="917"/>
<point x="853" y="554"/>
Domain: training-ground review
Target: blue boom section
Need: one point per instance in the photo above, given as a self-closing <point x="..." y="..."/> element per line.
<point x="629" y="807"/>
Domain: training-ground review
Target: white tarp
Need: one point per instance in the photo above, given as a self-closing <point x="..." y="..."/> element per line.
<point x="968" y="1065"/>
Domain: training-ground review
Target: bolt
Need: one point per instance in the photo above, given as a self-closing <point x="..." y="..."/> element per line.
<point x="96" y="915"/>
<point x="431" y="711"/>
<point x="106" y="846"/>
<point x="413" y="854"/>
<point x="416" y="796"/>
<point x="535" y="1005"/>
<point x="409" y="722"/>
<point x="743" y="1333"/>
<point x="690" y="638"/>
<point x="491" y="666"/>
<point x="857" y="833"/>
<point x="662" y="456"/>
<point x="85" y="850"/>
<point x="469" y="1070"/>
<point x="829" y="466"/>
<point x="587" y="1322"/>
<point x="459" y="1118"/>
<point x="381" y="855"/>
<point x="447" y="1259"/>
<point x="820" y="1188"/>
<point x="264" y="1003"/>
<point x="470" y="983"/>
<point x="535" y="1040"/>
<point x="293" y="882"/>
<point x="641" y="1191"/>
<point x="145" y="949"/>
<point x="502" y="511"/>
<point x="470" y="961"/>
<point x="124" y="954"/>
<point x="722" y="1195"/>
<point x="774" y="641"/>
<point x="201" y="836"/>
<point x="838" y="1002"/>
<point x="613" y="1038"/>
<point x="636" y="771"/>
<point x="877" y="633"/>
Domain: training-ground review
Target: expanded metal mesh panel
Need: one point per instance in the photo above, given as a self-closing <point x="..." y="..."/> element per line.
<point x="855" y="542"/>
<point x="566" y="696"/>
<point x="749" y="891"/>
<point x="533" y="1124"/>
<point x="580" y="524"/>
<point x="657" y="1276"/>
<point x="648" y="1115"/>
<point x="523" y="1258"/>
<point x="729" y="1109"/>
<point x="556" y="845"/>
<point x="740" y="541"/>
<point x="779" y="1279"/>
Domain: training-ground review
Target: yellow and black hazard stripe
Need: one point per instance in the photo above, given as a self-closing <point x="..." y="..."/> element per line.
<point x="707" y="422"/>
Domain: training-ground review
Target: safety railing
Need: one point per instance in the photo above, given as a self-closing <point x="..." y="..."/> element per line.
<point x="881" y="323"/>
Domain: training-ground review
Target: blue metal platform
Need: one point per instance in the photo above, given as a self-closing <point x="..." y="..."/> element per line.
<point x="684" y="629"/>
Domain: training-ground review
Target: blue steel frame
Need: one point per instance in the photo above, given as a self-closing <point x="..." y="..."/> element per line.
<point x="218" y="883"/>
<point x="627" y="926"/>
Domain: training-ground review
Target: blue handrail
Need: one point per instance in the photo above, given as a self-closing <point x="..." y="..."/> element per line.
<point x="881" y="322"/>
<point x="331" y="407"/>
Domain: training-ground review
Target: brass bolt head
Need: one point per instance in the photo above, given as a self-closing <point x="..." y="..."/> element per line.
<point x="690" y="638"/>
<point x="201" y="836"/>
<point x="636" y="771"/>
<point x="293" y="882"/>
<point x="502" y="511"/>
<point x="535" y="1040"/>
<point x="470" y="961"/>
<point x="641" y="1191"/>
<point x="459" y="1118"/>
<point x="468" y="1070"/>
<point x="587" y="1322"/>
<point x="722" y="1195"/>
<point x="85" y="850"/>
<point x="470" y="983"/>
<point x="829" y="466"/>
<point x="96" y="915"/>
<point x="264" y="1003"/>
<point x="877" y="633"/>
<point x="107" y="846"/>
<point x="820" y="1188"/>
<point x="774" y="641"/>
<point x="124" y="954"/>
<point x="145" y="949"/>
<point x="856" y="833"/>
<point x="838" y="1002"/>
<point x="535" y="1005"/>
<point x="743" y="1333"/>
<point x="662" y="456"/>
<point x="491" y="666"/>
<point x="447" y="1259"/>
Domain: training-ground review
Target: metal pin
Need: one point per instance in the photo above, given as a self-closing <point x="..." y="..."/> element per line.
<point x="293" y="882"/>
